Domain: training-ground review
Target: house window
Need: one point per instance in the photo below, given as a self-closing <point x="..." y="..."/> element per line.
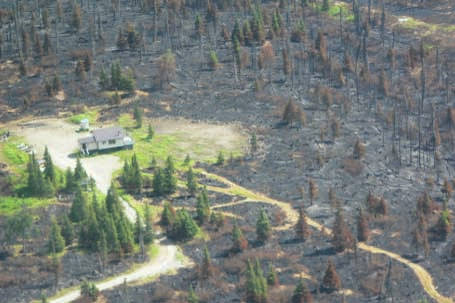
<point x="111" y="141"/>
<point x="104" y="142"/>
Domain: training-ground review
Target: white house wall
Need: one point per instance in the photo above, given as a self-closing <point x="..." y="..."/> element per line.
<point x="105" y="144"/>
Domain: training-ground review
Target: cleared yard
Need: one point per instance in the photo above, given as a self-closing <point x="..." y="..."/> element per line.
<point x="61" y="139"/>
<point x="179" y="137"/>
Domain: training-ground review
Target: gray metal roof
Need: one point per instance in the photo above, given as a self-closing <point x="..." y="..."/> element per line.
<point x="104" y="134"/>
<point x="108" y="133"/>
<point x="86" y="140"/>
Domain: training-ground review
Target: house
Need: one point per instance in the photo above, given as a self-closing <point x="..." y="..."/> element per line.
<point x="104" y="139"/>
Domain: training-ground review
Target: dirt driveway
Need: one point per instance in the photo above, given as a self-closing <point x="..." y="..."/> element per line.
<point x="61" y="140"/>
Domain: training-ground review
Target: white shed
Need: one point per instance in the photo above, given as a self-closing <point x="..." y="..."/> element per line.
<point x="85" y="124"/>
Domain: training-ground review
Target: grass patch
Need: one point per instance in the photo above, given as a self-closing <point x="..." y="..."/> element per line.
<point x="11" y="205"/>
<point x="428" y="28"/>
<point x="178" y="144"/>
<point x="91" y="115"/>
<point x="13" y="155"/>
<point x="153" y="250"/>
<point x="334" y="10"/>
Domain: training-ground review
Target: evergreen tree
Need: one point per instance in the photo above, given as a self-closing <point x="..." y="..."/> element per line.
<point x="217" y="219"/>
<point x="104" y="79"/>
<point x="192" y="297"/>
<point x="90" y="233"/>
<point x="56" y="83"/>
<point x="44" y="299"/>
<point x="103" y="250"/>
<point x="158" y="182"/>
<point x="187" y="160"/>
<point x="331" y="281"/>
<point x="67" y="230"/>
<point x="256" y="284"/>
<point x="237" y="33"/>
<point x="125" y="235"/>
<point x="253" y="142"/>
<point x="138" y="116"/>
<point x="203" y="207"/>
<point x="111" y="235"/>
<point x="79" y="208"/>
<point x="150" y="132"/>
<point x="136" y="174"/>
<point x="153" y="163"/>
<point x="56" y="242"/>
<point x="49" y="171"/>
<point x="131" y="177"/>
<point x="138" y="229"/>
<point x="37" y="185"/>
<point x="168" y="215"/>
<point x="239" y="242"/>
<point x="184" y="228"/>
<point x="301" y="293"/>
<point x="251" y="283"/>
<point x="443" y="226"/>
<point x="206" y="268"/>
<point x="70" y="184"/>
<point x="220" y="159"/>
<point x="113" y="202"/>
<point x="148" y="232"/>
<point x="170" y="181"/>
<point x="325" y="6"/>
<point x="79" y="171"/>
<point x="302" y="230"/>
<point x="272" y="277"/>
<point x="191" y="182"/>
<point x="263" y="230"/>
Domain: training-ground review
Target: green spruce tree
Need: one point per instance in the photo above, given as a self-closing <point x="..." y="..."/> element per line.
<point x="192" y="297"/>
<point x="56" y="242"/>
<point x="263" y="229"/>
<point x="191" y="182"/>
<point x="79" y="208"/>
<point x="148" y="232"/>
<point x="203" y="207"/>
<point x="170" y="181"/>
<point x="49" y="171"/>
<point x="239" y="241"/>
<point x="150" y="132"/>
<point x="67" y="230"/>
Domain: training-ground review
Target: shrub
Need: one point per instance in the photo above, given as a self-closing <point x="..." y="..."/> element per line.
<point x="213" y="61"/>
<point x="89" y="290"/>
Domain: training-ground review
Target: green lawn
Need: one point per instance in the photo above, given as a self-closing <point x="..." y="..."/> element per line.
<point x="17" y="160"/>
<point x="11" y="205"/>
<point x="11" y="154"/>
<point x="91" y="115"/>
<point x="176" y="144"/>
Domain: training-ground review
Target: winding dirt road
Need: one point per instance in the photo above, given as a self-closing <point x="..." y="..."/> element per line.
<point x="61" y="140"/>
<point x="165" y="261"/>
<point x="292" y="215"/>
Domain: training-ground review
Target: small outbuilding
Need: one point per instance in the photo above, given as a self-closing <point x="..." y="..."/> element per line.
<point x="104" y="139"/>
<point x="85" y="125"/>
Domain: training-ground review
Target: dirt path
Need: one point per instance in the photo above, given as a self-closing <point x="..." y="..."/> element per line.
<point x="61" y="140"/>
<point x="292" y="216"/>
<point x="165" y="261"/>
